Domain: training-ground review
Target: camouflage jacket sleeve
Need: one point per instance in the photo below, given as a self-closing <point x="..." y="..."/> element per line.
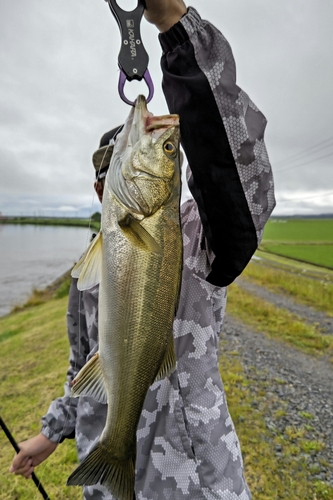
<point x="223" y="138"/>
<point x="60" y="420"/>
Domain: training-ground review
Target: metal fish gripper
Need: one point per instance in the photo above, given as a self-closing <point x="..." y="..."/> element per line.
<point x="132" y="58"/>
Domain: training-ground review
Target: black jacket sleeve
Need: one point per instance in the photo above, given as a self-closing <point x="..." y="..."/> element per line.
<point x="222" y="135"/>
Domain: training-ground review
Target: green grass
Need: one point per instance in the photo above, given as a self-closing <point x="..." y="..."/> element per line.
<point x="306" y="240"/>
<point x="319" y="254"/>
<point x="295" y="266"/>
<point x="34" y="359"/>
<point x="317" y="293"/>
<point x="9" y="333"/>
<point x="277" y="323"/>
<point x="299" y="230"/>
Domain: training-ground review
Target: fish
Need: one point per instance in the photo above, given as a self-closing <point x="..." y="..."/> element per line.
<point x="137" y="260"/>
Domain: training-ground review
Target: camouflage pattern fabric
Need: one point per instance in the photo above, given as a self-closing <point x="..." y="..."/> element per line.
<point x="243" y="121"/>
<point x="187" y="447"/>
<point x="82" y="318"/>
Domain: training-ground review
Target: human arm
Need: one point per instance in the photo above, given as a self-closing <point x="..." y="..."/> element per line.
<point x="223" y="138"/>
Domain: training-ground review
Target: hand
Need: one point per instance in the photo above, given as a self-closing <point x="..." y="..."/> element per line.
<point x="164" y="13"/>
<point x="32" y="452"/>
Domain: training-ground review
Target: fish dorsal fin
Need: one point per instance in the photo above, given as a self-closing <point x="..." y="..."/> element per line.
<point x="89" y="268"/>
<point x="169" y="362"/>
<point x="138" y="235"/>
<point x="89" y="381"/>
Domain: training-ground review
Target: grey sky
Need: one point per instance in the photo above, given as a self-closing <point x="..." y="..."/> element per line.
<point x="58" y="95"/>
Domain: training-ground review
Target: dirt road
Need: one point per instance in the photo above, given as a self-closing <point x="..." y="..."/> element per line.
<point x="300" y="387"/>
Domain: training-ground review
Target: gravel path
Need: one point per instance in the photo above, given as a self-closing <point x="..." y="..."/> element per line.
<point x="300" y="387"/>
<point x="308" y="314"/>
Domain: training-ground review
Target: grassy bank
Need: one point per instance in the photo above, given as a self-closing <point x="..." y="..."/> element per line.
<point x="315" y="291"/>
<point x="34" y="361"/>
<point x="280" y="324"/>
<point x="53" y="221"/>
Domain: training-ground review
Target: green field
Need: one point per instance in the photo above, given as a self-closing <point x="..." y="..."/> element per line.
<point x="306" y="240"/>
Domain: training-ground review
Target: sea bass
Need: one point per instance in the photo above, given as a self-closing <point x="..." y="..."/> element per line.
<point x="137" y="259"/>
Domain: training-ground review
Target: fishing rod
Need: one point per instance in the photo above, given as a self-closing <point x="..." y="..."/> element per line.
<point x="133" y="58"/>
<point x="17" y="449"/>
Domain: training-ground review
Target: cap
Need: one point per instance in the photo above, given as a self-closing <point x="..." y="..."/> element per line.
<point x="102" y="157"/>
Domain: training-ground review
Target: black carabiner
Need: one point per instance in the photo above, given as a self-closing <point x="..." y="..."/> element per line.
<point x="133" y="58"/>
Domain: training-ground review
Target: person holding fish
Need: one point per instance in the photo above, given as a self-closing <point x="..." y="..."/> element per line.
<point x="150" y="415"/>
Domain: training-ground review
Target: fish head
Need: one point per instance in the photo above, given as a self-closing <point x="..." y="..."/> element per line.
<point x="145" y="169"/>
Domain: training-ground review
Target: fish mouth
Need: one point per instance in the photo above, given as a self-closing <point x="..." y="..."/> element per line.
<point x="145" y="122"/>
<point x="134" y="164"/>
<point x="142" y="122"/>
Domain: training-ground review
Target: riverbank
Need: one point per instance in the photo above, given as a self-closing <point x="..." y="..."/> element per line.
<point x="280" y="398"/>
<point x="34" y="361"/>
<point x="93" y="222"/>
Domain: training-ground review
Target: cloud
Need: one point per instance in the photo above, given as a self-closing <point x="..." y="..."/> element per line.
<point x="58" y="91"/>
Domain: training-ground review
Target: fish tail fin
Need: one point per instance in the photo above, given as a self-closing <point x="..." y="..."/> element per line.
<point x="116" y="476"/>
<point x="89" y="381"/>
<point x="169" y="362"/>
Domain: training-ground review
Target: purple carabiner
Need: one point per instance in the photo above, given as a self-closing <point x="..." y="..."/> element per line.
<point x="121" y="85"/>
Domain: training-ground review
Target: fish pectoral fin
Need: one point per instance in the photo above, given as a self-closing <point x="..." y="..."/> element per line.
<point x="117" y="476"/>
<point x="169" y="362"/>
<point x="89" y="268"/>
<point x="138" y="235"/>
<point x="89" y="381"/>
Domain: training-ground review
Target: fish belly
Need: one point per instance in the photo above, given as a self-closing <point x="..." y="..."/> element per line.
<point x="136" y="315"/>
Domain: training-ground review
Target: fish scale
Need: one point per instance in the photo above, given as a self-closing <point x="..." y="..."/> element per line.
<point x="140" y="249"/>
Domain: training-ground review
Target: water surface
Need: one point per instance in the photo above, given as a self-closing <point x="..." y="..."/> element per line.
<point x="34" y="256"/>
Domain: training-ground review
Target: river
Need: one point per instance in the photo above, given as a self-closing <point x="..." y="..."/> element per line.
<point x="34" y="256"/>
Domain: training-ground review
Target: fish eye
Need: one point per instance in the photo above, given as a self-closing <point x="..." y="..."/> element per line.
<point x="169" y="148"/>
